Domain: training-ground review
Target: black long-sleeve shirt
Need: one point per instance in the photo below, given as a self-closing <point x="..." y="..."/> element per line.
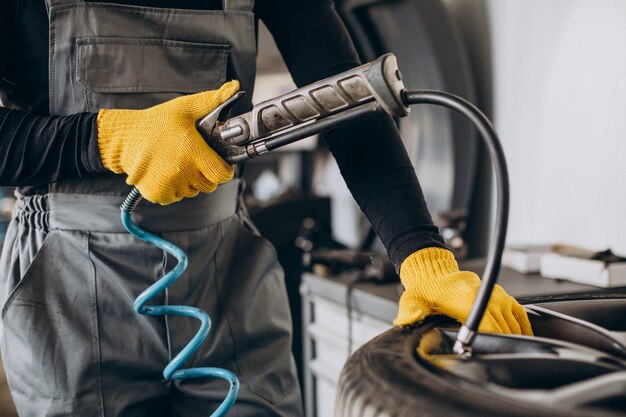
<point x="36" y="148"/>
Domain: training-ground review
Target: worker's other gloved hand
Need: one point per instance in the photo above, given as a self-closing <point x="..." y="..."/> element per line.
<point x="434" y="285"/>
<point x="160" y="149"/>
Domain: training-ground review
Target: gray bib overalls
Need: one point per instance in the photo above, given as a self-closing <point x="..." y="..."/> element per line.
<point x="71" y="343"/>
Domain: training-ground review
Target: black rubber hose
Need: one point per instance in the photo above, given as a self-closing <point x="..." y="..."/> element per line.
<point x="490" y="137"/>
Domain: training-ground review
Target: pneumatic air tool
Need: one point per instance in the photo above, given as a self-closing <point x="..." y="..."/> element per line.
<point x="374" y="87"/>
<point x="365" y="90"/>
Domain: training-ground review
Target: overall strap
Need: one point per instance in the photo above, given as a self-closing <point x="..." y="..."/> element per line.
<point x="243" y="5"/>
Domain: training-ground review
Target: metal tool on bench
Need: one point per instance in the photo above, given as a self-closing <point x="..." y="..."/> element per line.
<point x="374" y="87"/>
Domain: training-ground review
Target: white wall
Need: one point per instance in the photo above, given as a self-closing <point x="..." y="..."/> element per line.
<point x="560" y="109"/>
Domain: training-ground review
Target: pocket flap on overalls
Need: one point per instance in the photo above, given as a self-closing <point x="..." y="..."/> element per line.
<point x="138" y="65"/>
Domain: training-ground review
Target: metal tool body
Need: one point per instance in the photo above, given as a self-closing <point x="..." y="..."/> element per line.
<point x="373" y="87"/>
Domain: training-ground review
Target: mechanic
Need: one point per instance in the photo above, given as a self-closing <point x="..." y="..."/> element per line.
<point x="71" y="343"/>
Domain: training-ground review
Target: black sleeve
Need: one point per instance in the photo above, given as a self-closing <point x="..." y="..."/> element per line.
<point x="38" y="150"/>
<point x="370" y="153"/>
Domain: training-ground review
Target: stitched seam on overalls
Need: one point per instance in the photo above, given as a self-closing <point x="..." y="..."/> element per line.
<point x="97" y="347"/>
<point x="52" y="68"/>
<point x="171" y="43"/>
<point x="252" y="32"/>
<point x="152" y="10"/>
<point x="220" y="300"/>
<point x="78" y="62"/>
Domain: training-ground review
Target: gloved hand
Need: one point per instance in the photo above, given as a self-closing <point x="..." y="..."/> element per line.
<point x="434" y="285"/>
<point x="160" y="149"/>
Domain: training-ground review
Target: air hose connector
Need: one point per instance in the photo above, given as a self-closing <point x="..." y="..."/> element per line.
<point x="131" y="201"/>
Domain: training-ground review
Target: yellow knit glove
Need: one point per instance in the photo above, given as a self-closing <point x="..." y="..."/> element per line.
<point x="160" y="149"/>
<point x="434" y="285"/>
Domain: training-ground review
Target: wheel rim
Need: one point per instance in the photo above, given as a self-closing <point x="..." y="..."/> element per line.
<point x="575" y="363"/>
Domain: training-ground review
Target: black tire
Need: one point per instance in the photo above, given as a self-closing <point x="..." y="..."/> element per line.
<point x="384" y="379"/>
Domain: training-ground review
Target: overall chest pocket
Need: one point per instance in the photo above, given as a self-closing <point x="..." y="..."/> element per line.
<point x="135" y="73"/>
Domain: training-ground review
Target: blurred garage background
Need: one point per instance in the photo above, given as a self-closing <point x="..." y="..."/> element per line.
<point x="551" y="76"/>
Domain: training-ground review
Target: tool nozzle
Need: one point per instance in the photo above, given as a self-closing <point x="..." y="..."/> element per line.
<point x="463" y="343"/>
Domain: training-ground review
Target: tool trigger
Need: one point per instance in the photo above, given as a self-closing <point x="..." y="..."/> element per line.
<point x="208" y="122"/>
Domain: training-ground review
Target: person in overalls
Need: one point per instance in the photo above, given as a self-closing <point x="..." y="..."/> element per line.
<point x="70" y="341"/>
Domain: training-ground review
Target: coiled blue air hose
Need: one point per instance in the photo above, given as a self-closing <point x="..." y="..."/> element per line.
<point x="172" y="371"/>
